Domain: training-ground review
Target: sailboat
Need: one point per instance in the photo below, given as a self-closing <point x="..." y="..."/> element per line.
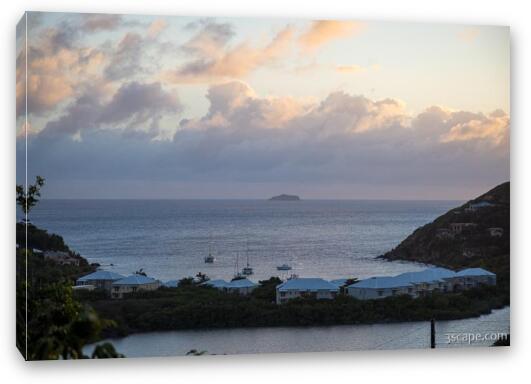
<point x="210" y="258"/>
<point x="237" y="274"/>
<point x="284" y="267"/>
<point x="247" y="270"/>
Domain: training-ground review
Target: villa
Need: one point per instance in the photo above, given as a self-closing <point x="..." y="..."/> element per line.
<point x="306" y="287"/>
<point x="133" y="283"/>
<point x="418" y="284"/>
<point x="61" y="257"/>
<point x="239" y="286"/>
<point x="99" y="279"/>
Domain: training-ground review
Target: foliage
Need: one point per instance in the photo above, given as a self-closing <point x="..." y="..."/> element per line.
<point x="27" y="199"/>
<point x="58" y="325"/>
<point x="198" y="307"/>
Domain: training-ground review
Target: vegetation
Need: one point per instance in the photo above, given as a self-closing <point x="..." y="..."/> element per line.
<point x="195" y="307"/>
<point x="50" y="322"/>
<point x="27" y="198"/>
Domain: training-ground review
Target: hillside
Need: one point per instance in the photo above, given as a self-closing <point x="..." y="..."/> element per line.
<point x="465" y="236"/>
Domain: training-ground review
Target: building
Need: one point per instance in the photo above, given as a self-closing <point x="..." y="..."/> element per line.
<point x="473" y="207"/>
<point x="240" y="286"/>
<point x="61" y="257"/>
<point x="306" y="287"/>
<point x="99" y="279"/>
<point x="380" y="287"/>
<point x="133" y="283"/>
<point x="418" y="284"/>
<point x="459" y="228"/>
<point x="495" y="232"/>
<point x="473" y="277"/>
<point x="444" y="233"/>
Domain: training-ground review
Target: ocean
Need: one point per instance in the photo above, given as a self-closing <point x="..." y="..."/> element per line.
<point x="170" y="238"/>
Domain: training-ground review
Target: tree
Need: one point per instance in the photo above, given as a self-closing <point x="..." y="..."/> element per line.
<point x="27" y="199"/>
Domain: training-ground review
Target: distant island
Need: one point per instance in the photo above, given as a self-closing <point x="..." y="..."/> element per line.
<point x="285" y="197"/>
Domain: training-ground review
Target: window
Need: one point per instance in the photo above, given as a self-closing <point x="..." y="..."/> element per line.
<point x="380" y="293"/>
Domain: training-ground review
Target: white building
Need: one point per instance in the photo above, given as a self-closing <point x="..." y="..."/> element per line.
<point x="417" y="284"/>
<point x="473" y="277"/>
<point x="495" y="231"/>
<point x="380" y="287"/>
<point x="306" y="287"/>
<point x="133" y="283"/>
<point x="61" y="257"/>
<point x="99" y="279"/>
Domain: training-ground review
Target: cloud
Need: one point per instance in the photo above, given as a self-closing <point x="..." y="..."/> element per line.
<point x="244" y="138"/>
<point x="101" y="22"/>
<point x="126" y="59"/>
<point x="324" y="31"/>
<point x="134" y="107"/>
<point x="494" y="127"/>
<point x="213" y="58"/>
<point x="469" y="35"/>
<point x="156" y="27"/>
<point x="57" y="68"/>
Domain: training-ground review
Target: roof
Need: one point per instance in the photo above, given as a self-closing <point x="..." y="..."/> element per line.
<point x="216" y="283"/>
<point x="135" y="280"/>
<point x="101" y="275"/>
<point x="382" y="282"/>
<point x="307" y="284"/>
<point x="241" y="283"/>
<point x="474" y="272"/>
<point x="407" y="279"/>
<point x="481" y="204"/>
<point x="339" y="282"/>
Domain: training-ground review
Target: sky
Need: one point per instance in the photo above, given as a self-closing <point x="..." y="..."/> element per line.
<point x="125" y="106"/>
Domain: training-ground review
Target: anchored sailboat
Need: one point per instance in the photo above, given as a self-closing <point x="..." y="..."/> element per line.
<point x="247" y="270"/>
<point x="210" y="258"/>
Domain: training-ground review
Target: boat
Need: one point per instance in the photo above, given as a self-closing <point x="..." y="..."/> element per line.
<point x="237" y="274"/>
<point x="247" y="270"/>
<point x="210" y="258"/>
<point x="284" y="267"/>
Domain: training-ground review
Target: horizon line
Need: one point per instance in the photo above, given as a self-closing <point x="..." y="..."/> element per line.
<point x="239" y="198"/>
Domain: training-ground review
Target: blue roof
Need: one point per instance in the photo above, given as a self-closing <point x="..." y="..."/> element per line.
<point x="474" y="272"/>
<point x="101" y="275"/>
<point x="135" y="280"/>
<point x="406" y="279"/>
<point x="216" y="283"/>
<point x="382" y="282"/>
<point x="481" y="204"/>
<point x="339" y="282"/>
<point x="307" y="284"/>
<point x="241" y="283"/>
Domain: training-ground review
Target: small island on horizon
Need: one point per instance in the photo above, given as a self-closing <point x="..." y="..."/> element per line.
<point x="285" y="197"/>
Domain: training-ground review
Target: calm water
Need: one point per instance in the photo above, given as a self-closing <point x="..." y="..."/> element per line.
<point x="311" y="339"/>
<point x="169" y="238"/>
